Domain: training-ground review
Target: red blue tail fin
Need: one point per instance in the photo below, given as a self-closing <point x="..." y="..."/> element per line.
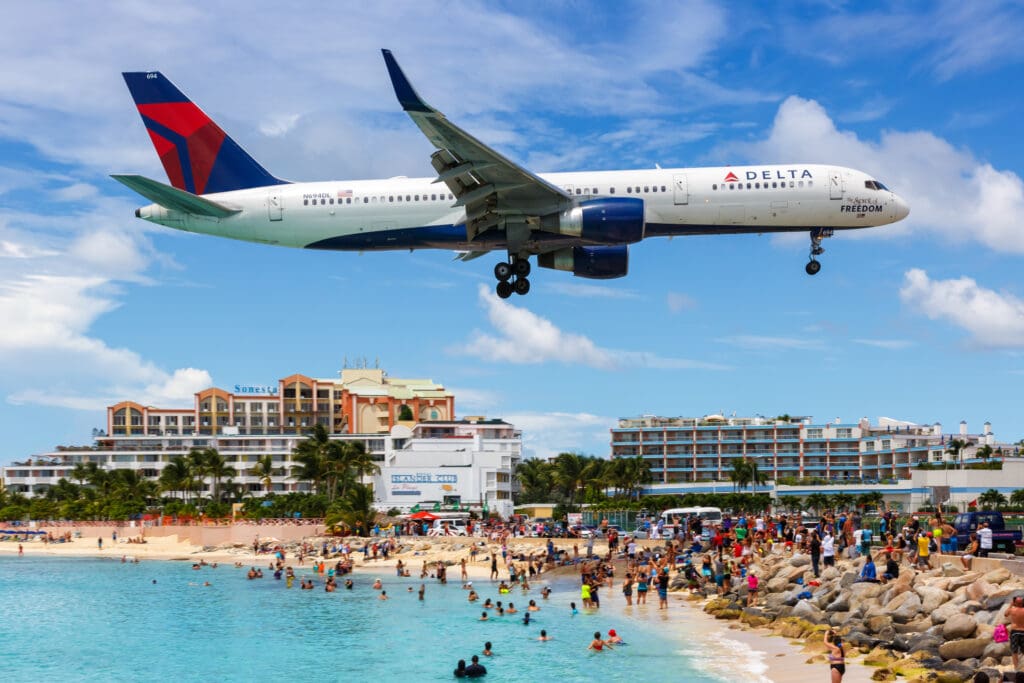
<point x="198" y="156"/>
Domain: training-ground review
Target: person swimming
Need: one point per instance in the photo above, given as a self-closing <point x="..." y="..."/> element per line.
<point x="483" y="616"/>
<point x="348" y="584"/>
<point x="460" y="669"/>
<point x="597" y="644"/>
<point x="533" y="606"/>
<point x="544" y="635"/>
<point x="526" y="619"/>
<point x="613" y="637"/>
<point x="511" y="609"/>
<point x="377" y="585"/>
<point x="487" y="649"/>
<point x="473" y="597"/>
<point x="383" y="595"/>
<point x="572" y="609"/>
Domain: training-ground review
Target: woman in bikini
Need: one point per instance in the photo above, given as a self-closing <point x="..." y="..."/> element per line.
<point x="836" y="656"/>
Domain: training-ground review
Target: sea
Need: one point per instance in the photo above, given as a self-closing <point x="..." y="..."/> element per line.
<point x="78" y="619"/>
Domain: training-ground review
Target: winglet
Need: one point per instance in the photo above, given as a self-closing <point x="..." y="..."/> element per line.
<point x="406" y="94"/>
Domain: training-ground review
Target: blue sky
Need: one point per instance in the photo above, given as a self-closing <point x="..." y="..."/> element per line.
<point x="921" y="321"/>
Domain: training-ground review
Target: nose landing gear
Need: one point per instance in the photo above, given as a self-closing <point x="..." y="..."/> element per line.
<point x="517" y="271"/>
<point x="817" y="235"/>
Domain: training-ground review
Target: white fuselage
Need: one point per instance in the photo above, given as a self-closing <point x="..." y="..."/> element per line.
<point x="416" y="213"/>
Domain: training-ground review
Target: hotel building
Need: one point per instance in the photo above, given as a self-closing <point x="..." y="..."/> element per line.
<point x="682" y="450"/>
<point x="430" y="458"/>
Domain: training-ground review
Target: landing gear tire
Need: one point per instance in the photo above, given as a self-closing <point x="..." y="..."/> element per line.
<point x="522" y="286"/>
<point x="504" y="289"/>
<point x="503" y="271"/>
<point x="521" y="266"/>
<point x="813" y="266"/>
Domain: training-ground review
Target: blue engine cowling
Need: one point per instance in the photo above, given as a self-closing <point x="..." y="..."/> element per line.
<point x="610" y="220"/>
<point x="597" y="263"/>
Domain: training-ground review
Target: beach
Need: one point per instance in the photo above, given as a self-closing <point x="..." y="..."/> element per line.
<point x="772" y="657"/>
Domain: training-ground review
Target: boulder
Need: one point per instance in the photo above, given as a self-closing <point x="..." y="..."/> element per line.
<point x="840" y="604"/>
<point x="950" y="569"/>
<point x="838" y="618"/>
<point x="959" y="626"/>
<point x="847" y="579"/>
<point x="998" y="575"/>
<point x="904" y="608"/>
<point x="963" y="649"/>
<point x="996" y="650"/>
<point x="945" y="611"/>
<point x="964" y="580"/>
<point x="931" y="598"/>
<point x="800" y="560"/>
<point x="924" y="642"/>
<point x="805" y="610"/>
<point x="997" y="601"/>
<point x="830" y="574"/>
<point x="980" y="589"/>
<point x="863" y="591"/>
<point x="879" y="623"/>
<point x="778" y="584"/>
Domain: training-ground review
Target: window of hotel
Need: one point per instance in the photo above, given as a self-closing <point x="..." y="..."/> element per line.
<point x="814" y="433"/>
<point x="844" y="433"/>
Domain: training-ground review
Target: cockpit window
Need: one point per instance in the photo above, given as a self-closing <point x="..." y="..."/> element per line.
<point x="874" y="185"/>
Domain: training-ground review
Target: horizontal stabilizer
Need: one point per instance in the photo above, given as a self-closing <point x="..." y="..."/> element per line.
<point x="173" y="198"/>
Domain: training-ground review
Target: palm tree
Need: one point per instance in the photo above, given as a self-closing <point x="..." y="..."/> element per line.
<point x="842" y="501"/>
<point x="740" y="474"/>
<point x="817" y="502"/>
<point x="354" y="509"/>
<point x="217" y="467"/>
<point x="985" y="452"/>
<point x="571" y="474"/>
<point x="870" y="498"/>
<point x="177" y="476"/>
<point x="536" y="477"/>
<point x="956" y="448"/>
<point x="1017" y="499"/>
<point x="992" y="499"/>
<point x="756" y="476"/>
<point x="196" y="459"/>
<point x="319" y="458"/>
<point x="264" y="469"/>
<point x="356" y="463"/>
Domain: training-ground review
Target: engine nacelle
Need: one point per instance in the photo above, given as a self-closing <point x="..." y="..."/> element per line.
<point x="611" y="220"/>
<point x="597" y="263"/>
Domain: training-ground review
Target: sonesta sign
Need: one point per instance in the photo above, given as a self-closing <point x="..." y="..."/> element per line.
<point x="262" y="389"/>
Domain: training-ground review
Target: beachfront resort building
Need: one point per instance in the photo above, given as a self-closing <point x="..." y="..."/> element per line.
<point x="689" y="450"/>
<point x="424" y="454"/>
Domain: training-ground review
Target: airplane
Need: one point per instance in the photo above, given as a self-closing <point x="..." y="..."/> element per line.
<point x="480" y="201"/>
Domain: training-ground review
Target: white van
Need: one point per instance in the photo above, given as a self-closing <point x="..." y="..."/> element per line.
<point x="709" y="516"/>
<point x="446" y="526"/>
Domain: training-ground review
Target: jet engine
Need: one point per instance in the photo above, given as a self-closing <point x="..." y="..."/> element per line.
<point x="598" y="263"/>
<point x="610" y="220"/>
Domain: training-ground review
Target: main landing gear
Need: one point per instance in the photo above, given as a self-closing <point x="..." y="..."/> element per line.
<point x="817" y="235"/>
<point x="512" y="276"/>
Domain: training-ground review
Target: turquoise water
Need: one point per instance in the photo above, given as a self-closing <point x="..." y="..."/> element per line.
<point x="94" y="619"/>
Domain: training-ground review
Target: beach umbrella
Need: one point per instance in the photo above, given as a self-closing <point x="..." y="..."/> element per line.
<point x="424" y="515"/>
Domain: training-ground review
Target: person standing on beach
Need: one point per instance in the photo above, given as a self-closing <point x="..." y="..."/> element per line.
<point x="663" y="588"/>
<point x="836" y="656"/>
<point x="1015" y="613"/>
<point x="99" y="543"/>
<point x="815" y="553"/>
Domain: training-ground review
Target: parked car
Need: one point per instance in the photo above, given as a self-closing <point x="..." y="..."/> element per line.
<point x="1003" y="539"/>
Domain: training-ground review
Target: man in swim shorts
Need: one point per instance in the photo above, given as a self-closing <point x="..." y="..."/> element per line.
<point x="476" y="669"/>
<point x="1015" y="613"/>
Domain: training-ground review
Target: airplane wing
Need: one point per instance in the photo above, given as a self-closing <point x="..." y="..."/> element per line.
<point x="173" y="198"/>
<point x="496" y="192"/>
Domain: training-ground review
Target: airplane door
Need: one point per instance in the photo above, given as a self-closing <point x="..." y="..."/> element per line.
<point x="275" y="206"/>
<point x="679" y="189"/>
<point x="835" y="184"/>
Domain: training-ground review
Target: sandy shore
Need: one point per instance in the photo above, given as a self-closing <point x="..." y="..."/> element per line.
<point x="783" y="661"/>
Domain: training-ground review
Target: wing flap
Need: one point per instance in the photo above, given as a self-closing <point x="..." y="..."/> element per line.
<point x="173" y="198"/>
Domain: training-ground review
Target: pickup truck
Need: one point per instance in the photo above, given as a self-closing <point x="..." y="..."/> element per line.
<point x="1003" y="540"/>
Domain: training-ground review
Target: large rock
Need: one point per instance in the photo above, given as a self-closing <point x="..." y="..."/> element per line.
<point x="805" y="610"/>
<point x="944" y="612"/>
<point x="800" y="560"/>
<point x="996" y="650"/>
<point x="959" y="626"/>
<point x="997" y="601"/>
<point x="840" y="604"/>
<point x="980" y="589"/>
<point x="905" y="607"/>
<point x="864" y="591"/>
<point x="778" y="584"/>
<point x="964" y="580"/>
<point x="879" y="623"/>
<point x="950" y="569"/>
<point x="931" y="598"/>
<point x="963" y="649"/>
<point x="923" y="642"/>
<point x="998" y="575"/>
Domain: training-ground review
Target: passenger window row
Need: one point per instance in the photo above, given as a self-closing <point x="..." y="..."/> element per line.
<point x="763" y="186"/>
<point x="384" y="199"/>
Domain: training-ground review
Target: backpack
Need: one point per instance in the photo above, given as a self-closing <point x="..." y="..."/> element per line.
<point x="1000" y="634"/>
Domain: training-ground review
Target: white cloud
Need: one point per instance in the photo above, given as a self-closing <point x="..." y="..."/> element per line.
<point x="993" y="319"/>
<point x="679" y="302"/>
<point x="923" y="168"/>
<point x="548" y="434"/>
<point x="890" y="344"/>
<point x="524" y="337"/>
<point x="472" y="401"/>
<point x="75" y="192"/>
<point x="762" y="342"/>
<point x="580" y="289"/>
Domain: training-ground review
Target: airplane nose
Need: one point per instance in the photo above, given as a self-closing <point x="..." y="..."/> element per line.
<point x="900" y="208"/>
